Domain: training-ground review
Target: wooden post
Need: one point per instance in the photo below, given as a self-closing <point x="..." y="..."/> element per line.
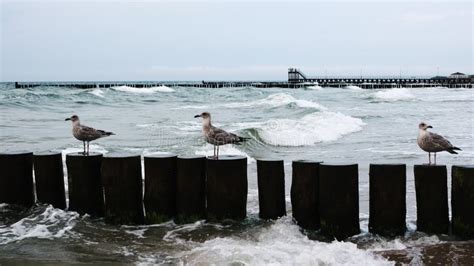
<point x="226" y="188"/>
<point x="122" y="179"/>
<point x="85" y="189"/>
<point x="160" y="187"/>
<point x="431" y="199"/>
<point x="49" y="179"/>
<point x="190" y="188"/>
<point x="387" y="199"/>
<point x="462" y="201"/>
<point x="271" y="189"/>
<point x="16" y="178"/>
<point x="305" y="194"/>
<point x="339" y="200"/>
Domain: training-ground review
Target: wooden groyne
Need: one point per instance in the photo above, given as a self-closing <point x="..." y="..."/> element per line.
<point x="324" y="197"/>
<point x="296" y="79"/>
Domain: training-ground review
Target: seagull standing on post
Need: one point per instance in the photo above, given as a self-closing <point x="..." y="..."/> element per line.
<point x="432" y="142"/>
<point x="86" y="134"/>
<point x="217" y="136"/>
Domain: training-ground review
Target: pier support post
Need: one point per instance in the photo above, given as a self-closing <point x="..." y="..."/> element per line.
<point x="16" y="178"/>
<point x="226" y="192"/>
<point x="339" y="200"/>
<point x="85" y="189"/>
<point x="462" y="201"/>
<point x="271" y="189"/>
<point x="431" y="199"/>
<point x="305" y="194"/>
<point x="49" y="179"/>
<point x="387" y="199"/>
<point x="160" y="187"/>
<point x="190" y="188"/>
<point x="122" y="179"/>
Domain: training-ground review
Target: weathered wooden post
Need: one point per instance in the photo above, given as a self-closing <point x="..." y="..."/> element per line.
<point x="85" y="189"/>
<point x="305" y="194"/>
<point x="190" y="188"/>
<point x="49" y="179"/>
<point x="226" y="188"/>
<point x="122" y="179"/>
<point x="339" y="200"/>
<point x="431" y="199"/>
<point x="462" y="201"/>
<point x="16" y="178"/>
<point x="271" y="188"/>
<point x="160" y="187"/>
<point x="387" y="199"/>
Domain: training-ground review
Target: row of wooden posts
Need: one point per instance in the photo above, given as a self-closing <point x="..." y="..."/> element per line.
<point x="189" y="188"/>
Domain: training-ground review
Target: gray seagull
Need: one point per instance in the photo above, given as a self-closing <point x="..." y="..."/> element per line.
<point x="432" y="142"/>
<point x="217" y="136"/>
<point x="86" y="134"/>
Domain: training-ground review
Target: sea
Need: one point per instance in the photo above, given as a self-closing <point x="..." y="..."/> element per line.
<point x="333" y="125"/>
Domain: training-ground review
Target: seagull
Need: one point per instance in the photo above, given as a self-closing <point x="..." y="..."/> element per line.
<point x="86" y="134"/>
<point x="217" y="136"/>
<point x="432" y="142"/>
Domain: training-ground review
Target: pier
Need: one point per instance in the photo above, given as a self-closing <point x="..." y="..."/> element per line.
<point x="296" y="79"/>
<point x="324" y="197"/>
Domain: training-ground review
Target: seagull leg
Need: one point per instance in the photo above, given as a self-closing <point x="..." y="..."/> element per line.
<point x="88" y="148"/>
<point x="435" y="158"/>
<point x="429" y="158"/>
<point x="84" y="143"/>
<point x="217" y="152"/>
<point x="214" y="152"/>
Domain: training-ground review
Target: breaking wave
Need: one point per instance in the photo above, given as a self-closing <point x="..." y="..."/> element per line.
<point x="280" y="244"/>
<point x="392" y="95"/>
<point x="310" y="129"/>
<point x="51" y="223"/>
<point x="143" y="90"/>
<point x="275" y="100"/>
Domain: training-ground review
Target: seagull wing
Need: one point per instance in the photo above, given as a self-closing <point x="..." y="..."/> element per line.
<point x="89" y="133"/>
<point x="439" y="141"/>
<point x="223" y="137"/>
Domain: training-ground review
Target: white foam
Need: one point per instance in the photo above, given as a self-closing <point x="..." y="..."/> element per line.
<point x="276" y="100"/>
<point x="138" y="232"/>
<point x="201" y="107"/>
<point x="52" y="223"/>
<point x="396" y="94"/>
<point x="313" y="128"/>
<point x="208" y="150"/>
<point x="97" y="92"/>
<point x="143" y="90"/>
<point x="353" y="87"/>
<point x="280" y="244"/>
<point x="400" y="244"/>
<point x="315" y="87"/>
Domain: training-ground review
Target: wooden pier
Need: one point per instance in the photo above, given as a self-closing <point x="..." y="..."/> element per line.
<point x="296" y="79"/>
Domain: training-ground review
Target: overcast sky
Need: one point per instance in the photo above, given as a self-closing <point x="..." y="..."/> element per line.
<point x="120" y="40"/>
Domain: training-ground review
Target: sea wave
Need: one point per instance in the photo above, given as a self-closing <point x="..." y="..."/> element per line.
<point x="143" y="90"/>
<point x="315" y="87"/>
<point x="276" y="100"/>
<point x="97" y="92"/>
<point x="391" y="95"/>
<point x="272" y="100"/>
<point x="310" y="129"/>
<point x="282" y="243"/>
<point x="51" y="223"/>
<point x="353" y="87"/>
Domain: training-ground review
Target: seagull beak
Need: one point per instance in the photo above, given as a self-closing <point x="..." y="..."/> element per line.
<point x="67" y="119"/>
<point x="196" y="116"/>
<point x="429" y="127"/>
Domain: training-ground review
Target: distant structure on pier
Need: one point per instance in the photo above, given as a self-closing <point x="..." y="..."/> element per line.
<point x="455" y="80"/>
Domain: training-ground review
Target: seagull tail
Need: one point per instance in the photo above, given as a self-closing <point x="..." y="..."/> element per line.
<point x="241" y="139"/>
